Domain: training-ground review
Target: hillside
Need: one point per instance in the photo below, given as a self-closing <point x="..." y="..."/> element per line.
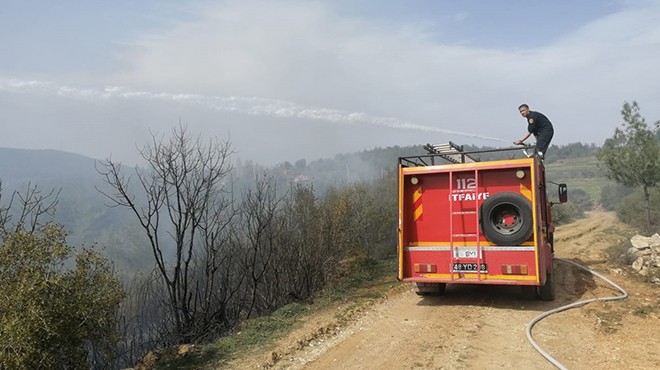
<point x="19" y="165"/>
<point x="581" y="173"/>
<point x="81" y="208"/>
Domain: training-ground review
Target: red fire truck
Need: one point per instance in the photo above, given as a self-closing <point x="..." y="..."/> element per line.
<point x="464" y="221"/>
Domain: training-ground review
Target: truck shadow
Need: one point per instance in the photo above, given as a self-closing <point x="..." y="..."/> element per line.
<point x="571" y="284"/>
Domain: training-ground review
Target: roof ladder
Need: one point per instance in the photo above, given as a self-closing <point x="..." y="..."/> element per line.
<point x="462" y="185"/>
<point x="451" y="152"/>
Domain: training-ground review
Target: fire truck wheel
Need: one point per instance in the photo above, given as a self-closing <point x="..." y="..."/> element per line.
<point x="506" y="218"/>
<point x="547" y="291"/>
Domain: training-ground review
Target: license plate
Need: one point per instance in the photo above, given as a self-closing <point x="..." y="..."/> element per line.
<point x="468" y="267"/>
<point x="465" y="252"/>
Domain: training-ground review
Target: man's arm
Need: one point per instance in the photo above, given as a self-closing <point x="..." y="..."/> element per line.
<point x="522" y="141"/>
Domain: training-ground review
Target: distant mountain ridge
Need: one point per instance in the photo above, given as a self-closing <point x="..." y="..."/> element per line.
<point x="81" y="208"/>
<point x="17" y="165"/>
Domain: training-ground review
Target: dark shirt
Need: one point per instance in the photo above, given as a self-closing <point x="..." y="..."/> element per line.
<point x="538" y="124"/>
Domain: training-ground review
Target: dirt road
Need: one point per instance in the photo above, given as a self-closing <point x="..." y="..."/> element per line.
<point x="477" y="327"/>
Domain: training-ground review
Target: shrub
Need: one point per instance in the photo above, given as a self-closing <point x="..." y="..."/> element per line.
<point x="632" y="211"/>
<point x="612" y="194"/>
<point x="582" y="201"/>
<point x="563" y="213"/>
<point x="53" y="316"/>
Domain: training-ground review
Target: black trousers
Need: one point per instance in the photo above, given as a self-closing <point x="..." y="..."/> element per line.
<point x="543" y="141"/>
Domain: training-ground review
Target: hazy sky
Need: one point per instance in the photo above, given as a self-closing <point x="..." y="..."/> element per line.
<point x="285" y="80"/>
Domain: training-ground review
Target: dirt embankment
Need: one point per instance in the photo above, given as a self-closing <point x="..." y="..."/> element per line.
<point x="484" y="326"/>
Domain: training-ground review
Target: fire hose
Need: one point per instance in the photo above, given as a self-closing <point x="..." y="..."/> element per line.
<point x="569" y="306"/>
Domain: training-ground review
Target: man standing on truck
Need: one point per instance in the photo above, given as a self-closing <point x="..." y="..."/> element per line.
<point x="539" y="125"/>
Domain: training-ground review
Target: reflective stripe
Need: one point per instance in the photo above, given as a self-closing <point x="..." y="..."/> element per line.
<point x="512" y="248"/>
<point x="417" y="203"/>
<point x="422" y="249"/>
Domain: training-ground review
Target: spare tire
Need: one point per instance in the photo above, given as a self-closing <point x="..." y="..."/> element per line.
<point x="506" y="218"/>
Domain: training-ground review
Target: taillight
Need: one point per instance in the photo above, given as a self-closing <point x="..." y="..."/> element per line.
<point x="425" y="267"/>
<point x="514" y="269"/>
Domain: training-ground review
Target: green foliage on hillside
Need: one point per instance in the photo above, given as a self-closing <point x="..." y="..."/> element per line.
<point x="582" y="173"/>
<point x="53" y="316"/>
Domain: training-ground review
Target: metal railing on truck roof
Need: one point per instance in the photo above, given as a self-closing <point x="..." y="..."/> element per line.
<point x="453" y="153"/>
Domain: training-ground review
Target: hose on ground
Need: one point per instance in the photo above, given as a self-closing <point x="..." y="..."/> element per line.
<point x="569" y="306"/>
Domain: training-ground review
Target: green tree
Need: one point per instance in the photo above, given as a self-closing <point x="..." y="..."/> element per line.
<point x="632" y="156"/>
<point x="53" y="316"/>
